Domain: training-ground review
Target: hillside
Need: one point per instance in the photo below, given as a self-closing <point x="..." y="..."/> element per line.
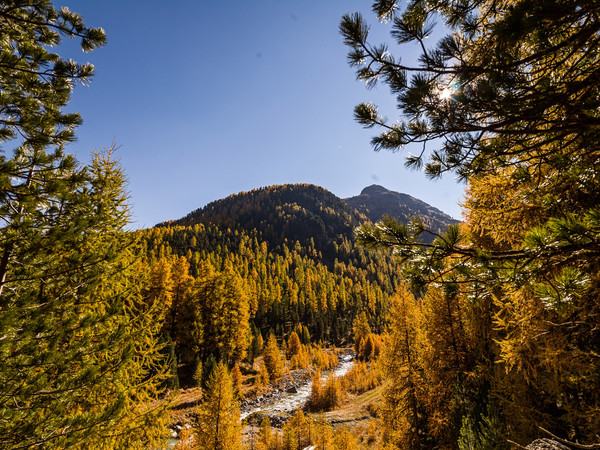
<point x="376" y="201"/>
<point x="270" y="261"/>
<point x="291" y="250"/>
<point x="280" y="214"/>
<point x="310" y="215"/>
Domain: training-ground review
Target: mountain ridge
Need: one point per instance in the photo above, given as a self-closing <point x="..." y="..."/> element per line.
<point x="376" y="201"/>
<point x="311" y="215"/>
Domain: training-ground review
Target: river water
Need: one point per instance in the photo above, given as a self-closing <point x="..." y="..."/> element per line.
<point x="289" y="402"/>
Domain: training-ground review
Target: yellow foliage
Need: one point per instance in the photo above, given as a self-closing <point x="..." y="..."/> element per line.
<point x="370" y="347"/>
<point x="263" y="377"/>
<point x="499" y="211"/>
<point x="236" y="376"/>
<point x="297" y="431"/>
<point x="300" y="360"/>
<point x="361" y="378"/>
<point x="326" y="396"/>
<point x="272" y="359"/>
<point x="265" y="435"/>
<point x="361" y="330"/>
<point x="402" y="367"/>
<point x="344" y="439"/>
<point x="219" y="426"/>
<point x="186" y="440"/>
<point x="323" y="359"/>
<point x="294" y="345"/>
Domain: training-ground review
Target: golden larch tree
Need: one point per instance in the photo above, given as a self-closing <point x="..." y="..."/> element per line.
<point x="219" y="426"/>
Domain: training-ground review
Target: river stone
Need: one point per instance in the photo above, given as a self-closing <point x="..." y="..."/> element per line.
<point x="546" y="444"/>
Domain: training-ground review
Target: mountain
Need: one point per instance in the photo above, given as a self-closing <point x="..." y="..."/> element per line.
<point x="310" y="215"/>
<point x="376" y="201"/>
<point x="291" y="250"/>
<point x="280" y="214"/>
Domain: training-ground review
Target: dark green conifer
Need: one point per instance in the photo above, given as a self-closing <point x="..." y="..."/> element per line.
<point x="77" y="347"/>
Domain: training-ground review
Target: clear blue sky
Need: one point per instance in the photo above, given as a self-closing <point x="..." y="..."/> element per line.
<point x="209" y="98"/>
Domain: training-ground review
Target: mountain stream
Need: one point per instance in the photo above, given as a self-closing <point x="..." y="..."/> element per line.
<point x="287" y="402"/>
<point x="284" y="403"/>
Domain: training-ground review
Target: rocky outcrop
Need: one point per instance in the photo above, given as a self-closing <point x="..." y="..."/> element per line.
<point x="546" y="444"/>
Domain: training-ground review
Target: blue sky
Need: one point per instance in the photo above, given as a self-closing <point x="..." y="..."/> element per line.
<point x="207" y="99"/>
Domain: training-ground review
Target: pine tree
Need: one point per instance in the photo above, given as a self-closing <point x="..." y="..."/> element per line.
<point x="316" y="391"/>
<point x="161" y="284"/>
<point x="171" y="359"/>
<point x="361" y="330"/>
<point x="219" y="426"/>
<point x="265" y="436"/>
<point x="184" y="322"/>
<point x="237" y="379"/>
<point x="198" y="375"/>
<point x="297" y="432"/>
<point x="305" y="335"/>
<point x="256" y="346"/>
<point x="404" y="413"/>
<point x="88" y="360"/>
<point x="76" y="366"/>
<point x="323" y="435"/>
<point x="508" y="100"/>
<point x="223" y="307"/>
<point x="208" y="367"/>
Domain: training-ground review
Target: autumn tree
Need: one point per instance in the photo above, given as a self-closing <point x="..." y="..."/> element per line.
<point x="183" y="322"/>
<point x="371" y="347"/>
<point x="256" y="346"/>
<point x="404" y="412"/>
<point x="361" y="330"/>
<point x="294" y="345"/>
<point x="323" y="435"/>
<point x="265" y="435"/>
<point x="80" y="358"/>
<point x="325" y="396"/>
<point x="160" y="286"/>
<point x="278" y="284"/>
<point x="223" y="307"/>
<point x="272" y="359"/>
<point x="237" y="379"/>
<point x="297" y="432"/>
<point x="219" y="426"/>
<point x="508" y="99"/>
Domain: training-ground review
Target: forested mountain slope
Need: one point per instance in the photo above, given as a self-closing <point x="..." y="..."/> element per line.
<point x="288" y="213"/>
<point x="311" y="215"/>
<point x="224" y="288"/>
<point x="274" y="258"/>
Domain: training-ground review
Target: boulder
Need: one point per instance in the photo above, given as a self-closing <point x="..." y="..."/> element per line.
<point x="546" y="444"/>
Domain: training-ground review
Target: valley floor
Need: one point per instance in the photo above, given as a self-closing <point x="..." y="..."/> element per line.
<point x="279" y="401"/>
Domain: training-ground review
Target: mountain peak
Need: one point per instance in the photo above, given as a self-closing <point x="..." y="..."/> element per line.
<point x="375" y="201"/>
<point x="374" y="189"/>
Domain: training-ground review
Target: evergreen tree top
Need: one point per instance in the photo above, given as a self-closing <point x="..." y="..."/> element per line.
<point x="35" y="82"/>
<point x="510" y="81"/>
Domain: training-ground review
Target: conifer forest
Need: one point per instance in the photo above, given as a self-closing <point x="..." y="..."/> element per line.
<point x="287" y="318"/>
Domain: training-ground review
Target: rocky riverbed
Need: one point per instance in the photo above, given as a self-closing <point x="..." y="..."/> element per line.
<point x="291" y="394"/>
<point x="287" y="395"/>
